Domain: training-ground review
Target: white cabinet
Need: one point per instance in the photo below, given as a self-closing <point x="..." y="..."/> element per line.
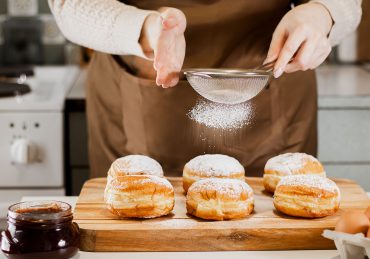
<point x="344" y="122"/>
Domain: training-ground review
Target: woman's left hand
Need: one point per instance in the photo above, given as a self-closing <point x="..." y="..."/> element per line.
<point x="302" y="34"/>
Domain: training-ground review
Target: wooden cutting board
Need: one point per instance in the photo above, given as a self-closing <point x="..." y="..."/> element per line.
<point x="265" y="229"/>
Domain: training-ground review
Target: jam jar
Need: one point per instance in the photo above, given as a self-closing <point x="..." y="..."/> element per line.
<point x="40" y="229"/>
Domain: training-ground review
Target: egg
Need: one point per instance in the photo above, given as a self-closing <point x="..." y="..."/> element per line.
<point x="367" y="212"/>
<point x="353" y="222"/>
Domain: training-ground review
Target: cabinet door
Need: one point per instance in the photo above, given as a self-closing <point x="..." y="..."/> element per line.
<point x="344" y="135"/>
<point x="78" y="139"/>
<point x="358" y="172"/>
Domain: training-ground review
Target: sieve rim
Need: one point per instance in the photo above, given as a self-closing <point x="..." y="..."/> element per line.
<point x="226" y="73"/>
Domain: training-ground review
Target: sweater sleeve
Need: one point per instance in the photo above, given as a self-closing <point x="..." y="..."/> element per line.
<point x="103" y="25"/>
<point x="346" y="15"/>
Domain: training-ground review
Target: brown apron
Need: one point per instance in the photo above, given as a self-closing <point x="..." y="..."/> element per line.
<point x="129" y="114"/>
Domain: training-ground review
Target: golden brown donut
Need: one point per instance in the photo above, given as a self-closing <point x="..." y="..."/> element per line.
<point x="220" y="199"/>
<point x="290" y="164"/>
<point x="139" y="196"/>
<point x="135" y="165"/>
<point x="308" y="196"/>
<point x="211" y="166"/>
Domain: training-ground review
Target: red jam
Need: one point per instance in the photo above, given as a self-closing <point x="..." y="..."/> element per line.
<point x="41" y="229"/>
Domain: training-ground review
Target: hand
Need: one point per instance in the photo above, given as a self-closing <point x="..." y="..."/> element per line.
<point x="302" y="34"/>
<point x="163" y="38"/>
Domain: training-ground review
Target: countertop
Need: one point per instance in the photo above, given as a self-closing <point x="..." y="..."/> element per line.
<point x="291" y="254"/>
<point x="339" y="86"/>
<point x="296" y="254"/>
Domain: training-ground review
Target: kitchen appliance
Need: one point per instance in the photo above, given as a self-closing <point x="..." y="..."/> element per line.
<point x="22" y="38"/>
<point x="264" y="229"/>
<point x="31" y="139"/>
<point x="12" y="81"/>
<point x="229" y="86"/>
<point x="22" y="7"/>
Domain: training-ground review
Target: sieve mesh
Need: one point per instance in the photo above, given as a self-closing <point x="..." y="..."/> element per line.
<point x="228" y="90"/>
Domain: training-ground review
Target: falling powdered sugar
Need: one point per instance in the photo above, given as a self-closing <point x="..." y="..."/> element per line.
<point x="222" y="116"/>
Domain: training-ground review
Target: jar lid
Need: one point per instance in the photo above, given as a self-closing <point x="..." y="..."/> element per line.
<point x="40" y="211"/>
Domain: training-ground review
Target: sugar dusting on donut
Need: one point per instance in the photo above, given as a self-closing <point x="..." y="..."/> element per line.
<point x="215" y="165"/>
<point x="223" y="186"/>
<point x="140" y="179"/>
<point x="138" y="164"/>
<point x="309" y="181"/>
<point x="289" y="162"/>
<point x="157" y="180"/>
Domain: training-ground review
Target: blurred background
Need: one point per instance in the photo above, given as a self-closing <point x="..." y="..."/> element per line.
<point x="43" y="140"/>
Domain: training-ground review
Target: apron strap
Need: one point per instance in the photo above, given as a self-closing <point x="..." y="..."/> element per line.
<point x="122" y="64"/>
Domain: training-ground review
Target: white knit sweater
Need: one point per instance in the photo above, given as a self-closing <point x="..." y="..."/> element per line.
<point x="112" y="27"/>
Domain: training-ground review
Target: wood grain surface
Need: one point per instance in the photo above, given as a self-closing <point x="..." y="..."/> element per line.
<point x="265" y="229"/>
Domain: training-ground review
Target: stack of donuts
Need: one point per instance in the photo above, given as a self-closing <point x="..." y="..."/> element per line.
<point x="216" y="189"/>
<point x="300" y="187"/>
<point x="136" y="188"/>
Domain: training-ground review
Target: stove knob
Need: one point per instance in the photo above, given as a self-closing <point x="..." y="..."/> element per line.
<point x="23" y="151"/>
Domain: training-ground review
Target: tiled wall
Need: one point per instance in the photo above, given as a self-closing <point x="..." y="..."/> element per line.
<point x="57" y="50"/>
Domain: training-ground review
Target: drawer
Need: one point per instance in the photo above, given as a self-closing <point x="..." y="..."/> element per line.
<point x="344" y="135"/>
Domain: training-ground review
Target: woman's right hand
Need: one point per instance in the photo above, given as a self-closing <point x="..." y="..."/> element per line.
<point x="162" y="38"/>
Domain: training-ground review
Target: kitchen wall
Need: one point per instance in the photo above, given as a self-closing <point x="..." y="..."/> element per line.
<point x="56" y="49"/>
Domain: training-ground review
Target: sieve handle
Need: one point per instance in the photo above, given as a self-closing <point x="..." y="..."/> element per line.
<point x="182" y="74"/>
<point x="268" y="67"/>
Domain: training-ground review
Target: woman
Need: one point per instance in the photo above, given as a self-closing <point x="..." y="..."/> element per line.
<point x="141" y="44"/>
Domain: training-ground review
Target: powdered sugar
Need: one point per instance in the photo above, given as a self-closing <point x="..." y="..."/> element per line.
<point x="288" y="163"/>
<point x="309" y="181"/>
<point x="221" y="116"/>
<point x="223" y="186"/>
<point x="157" y="180"/>
<point x="215" y="165"/>
<point x="138" y="180"/>
<point x="137" y="165"/>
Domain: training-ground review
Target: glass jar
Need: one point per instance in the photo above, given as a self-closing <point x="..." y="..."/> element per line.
<point x="40" y="229"/>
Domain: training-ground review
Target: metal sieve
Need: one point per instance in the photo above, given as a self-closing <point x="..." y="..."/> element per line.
<point x="229" y="86"/>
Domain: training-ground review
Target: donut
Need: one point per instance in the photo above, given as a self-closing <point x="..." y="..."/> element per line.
<point x="219" y="199"/>
<point x="290" y="164"/>
<point x="211" y="166"/>
<point x="139" y="196"/>
<point x="308" y="196"/>
<point x="135" y="165"/>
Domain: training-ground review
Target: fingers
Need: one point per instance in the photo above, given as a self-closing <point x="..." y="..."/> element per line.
<point x="173" y="18"/>
<point x="291" y="45"/>
<point x="311" y="54"/>
<point x="303" y="57"/>
<point x="325" y="51"/>
<point x="277" y="43"/>
<point x="168" y="59"/>
<point x="170" y="51"/>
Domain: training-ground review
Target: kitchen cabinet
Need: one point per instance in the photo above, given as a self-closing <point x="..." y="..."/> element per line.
<point x="76" y="147"/>
<point x="344" y="122"/>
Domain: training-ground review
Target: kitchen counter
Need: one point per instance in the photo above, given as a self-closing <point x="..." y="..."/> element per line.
<point x="343" y="87"/>
<point x="301" y="254"/>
